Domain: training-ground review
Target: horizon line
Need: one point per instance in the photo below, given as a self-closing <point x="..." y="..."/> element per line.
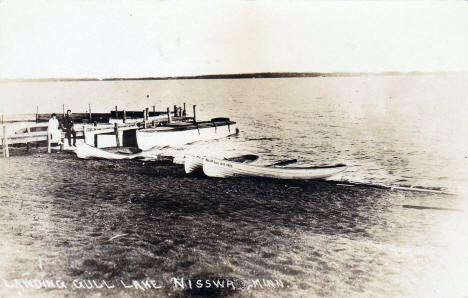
<point x="255" y="75"/>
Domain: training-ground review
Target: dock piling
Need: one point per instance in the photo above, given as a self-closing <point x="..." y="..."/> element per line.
<point x="116" y="130"/>
<point x="168" y="115"/>
<point x="90" y="115"/>
<point x="37" y="114"/>
<point x="194" y="113"/>
<point x="6" y="152"/>
<point x="124" y="116"/>
<point x="147" y="114"/>
<point x="48" y="141"/>
<point x="84" y="133"/>
<point x="144" y="119"/>
<point x="154" y="109"/>
<point x="184" y="112"/>
<point x="28" y="130"/>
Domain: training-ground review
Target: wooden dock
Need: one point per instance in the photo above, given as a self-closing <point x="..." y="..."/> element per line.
<point x="89" y="126"/>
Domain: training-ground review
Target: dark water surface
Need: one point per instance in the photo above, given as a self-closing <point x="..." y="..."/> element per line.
<point x="58" y="215"/>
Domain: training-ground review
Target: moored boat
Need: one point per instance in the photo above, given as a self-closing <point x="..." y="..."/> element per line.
<point x="177" y="134"/>
<point x="224" y="169"/>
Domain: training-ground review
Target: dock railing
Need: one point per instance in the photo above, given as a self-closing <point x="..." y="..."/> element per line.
<point x="95" y="123"/>
<point x="38" y="136"/>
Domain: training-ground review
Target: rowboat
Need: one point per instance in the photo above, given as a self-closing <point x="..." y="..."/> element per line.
<point x="193" y="163"/>
<point x="177" y="134"/>
<point x="86" y="151"/>
<point x="224" y="169"/>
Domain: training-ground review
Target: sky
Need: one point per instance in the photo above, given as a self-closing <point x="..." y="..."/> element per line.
<point x="103" y="39"/>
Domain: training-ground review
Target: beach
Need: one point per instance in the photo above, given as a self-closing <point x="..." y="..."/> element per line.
<point x="131" y="228"/>
<point x="110" y="224"/>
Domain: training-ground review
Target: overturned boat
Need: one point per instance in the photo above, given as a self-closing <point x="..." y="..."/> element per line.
<point x="85" y="151"/>
<point x="224" y="169"/>
<point x="180" y="133"/>
<point x="193" y="163"/>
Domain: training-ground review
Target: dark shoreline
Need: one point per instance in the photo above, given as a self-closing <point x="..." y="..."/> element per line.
<point x="257" y="75"/>
<point x="134" y="220"/>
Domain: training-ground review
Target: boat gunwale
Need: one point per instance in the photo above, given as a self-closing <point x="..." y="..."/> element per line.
<point x="198" y="125"/>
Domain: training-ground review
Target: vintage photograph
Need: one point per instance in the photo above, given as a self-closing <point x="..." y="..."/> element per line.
<point x="233" y="148"/>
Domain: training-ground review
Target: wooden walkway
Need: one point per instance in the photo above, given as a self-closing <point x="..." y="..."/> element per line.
<point x="131" y="120"/>
<point x="29" y="137"/>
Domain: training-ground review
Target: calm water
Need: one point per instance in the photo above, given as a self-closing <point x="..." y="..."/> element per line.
<point x="58" y="214"/>
<point x="391" y="130"/>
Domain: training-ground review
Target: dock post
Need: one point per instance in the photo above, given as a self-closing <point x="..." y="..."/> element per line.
<point x="62" y="142"/>
<point x="175" y="111"/>
<point x="168" y="116"/>
<point x="116" y="112"/>
<point x="63" y="110"/>
<point x="84" y="133"/>
<point x="184" y="112"/>
<point x="37" y="114"/>
<point x="194" y="114"/>
<point x="147" y="114"/>
<point x="154" y="109"/>
<point x="28" y="130"/>
<point x="6" y="153"/>
<point x="144" y="119"/>
<point x="96" y="140"/>
<point x="124" y="116"/>
<point x="48" y="141"/>
<point x="90" y="116"/>
<point x="116" y="130"/>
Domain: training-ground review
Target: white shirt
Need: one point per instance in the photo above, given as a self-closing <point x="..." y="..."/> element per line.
<point x="54" y="130"/>
<point x="53" y="125"/>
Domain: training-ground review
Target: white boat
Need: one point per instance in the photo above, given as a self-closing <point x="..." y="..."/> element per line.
<point x="195" y="162"/>
<point x="177" y="134"/>
<point x="86" y="151"/>
<point x="224" y="169"/>
<point x="192" y="163"/>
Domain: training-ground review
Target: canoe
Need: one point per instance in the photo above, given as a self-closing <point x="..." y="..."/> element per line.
<point x="224" y="169"/>
<point x="177" y="134"/>
<point x="86" y="151"/>
<point x="193" y="163"/>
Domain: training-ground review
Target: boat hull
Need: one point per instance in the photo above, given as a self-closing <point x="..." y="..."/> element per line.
<point x="192" y="163"/>
<point x="224" y="169"/>
<point x="85" y="151"/>
<point x="164" y="137"/>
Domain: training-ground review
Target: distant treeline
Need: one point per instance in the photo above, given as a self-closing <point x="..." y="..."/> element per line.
<point x="258" y="75"/>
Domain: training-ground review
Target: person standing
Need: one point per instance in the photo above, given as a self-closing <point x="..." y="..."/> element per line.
<point x="69" y="128"/>
<point x="53" y="128"/>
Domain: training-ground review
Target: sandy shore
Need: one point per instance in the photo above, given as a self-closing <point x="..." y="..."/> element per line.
<point x="68" y="220"/>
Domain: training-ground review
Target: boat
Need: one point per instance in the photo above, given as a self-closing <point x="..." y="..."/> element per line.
<point x="180" y="133"/>
<point x="86" y="151"/>
<point x="224" y="169"/>
<point x="193" y="163"/>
